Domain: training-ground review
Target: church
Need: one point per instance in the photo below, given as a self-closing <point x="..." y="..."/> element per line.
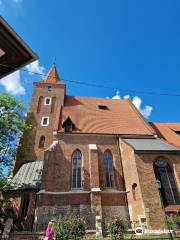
<point x="95" y="157"/>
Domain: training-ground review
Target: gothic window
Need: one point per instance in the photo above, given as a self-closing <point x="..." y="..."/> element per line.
<point x="25" y="205"/>
<point x="108" y="169"/>
<point x="76" y="169"/>
<point x="41" y="142"/>
<point x="166" y="183"/>
<point x="39" y="104"/>
<point x="49" y="87"/>
<point x="134" y="187"/>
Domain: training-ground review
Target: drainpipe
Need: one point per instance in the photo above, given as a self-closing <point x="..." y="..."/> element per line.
<point x="124" y="184"/>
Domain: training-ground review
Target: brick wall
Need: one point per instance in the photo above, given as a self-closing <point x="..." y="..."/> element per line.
<point x="136" y="207"/>
<point x="58" y="170"/>
<point x="148" y="184"/>
<point x="145" y="202"/>
<point x="14" y="201"/>
<point x="28" y="148"/>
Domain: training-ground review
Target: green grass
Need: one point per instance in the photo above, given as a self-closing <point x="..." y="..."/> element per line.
<point x="135" y="238"/>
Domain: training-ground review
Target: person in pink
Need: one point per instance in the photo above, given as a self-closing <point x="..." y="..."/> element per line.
<point x="49" y="231"/>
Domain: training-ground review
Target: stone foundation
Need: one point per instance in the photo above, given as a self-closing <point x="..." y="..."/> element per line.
<point x="46" y="213"/>
<point x="111" y="212"/>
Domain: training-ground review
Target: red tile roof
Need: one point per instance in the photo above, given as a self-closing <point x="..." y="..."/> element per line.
<point x="52" y="76"/>
<point x="118" y="117"/>
<point x="168" y="131"/>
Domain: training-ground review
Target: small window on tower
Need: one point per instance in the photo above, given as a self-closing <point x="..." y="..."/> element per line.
<point x="45" y="121"/>
<point x="47" y="101"/>
<point x="49" y="87"/>
<point x="42" y="142"/>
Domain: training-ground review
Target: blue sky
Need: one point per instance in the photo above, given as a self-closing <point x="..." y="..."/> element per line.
<point x="124" y="44"/>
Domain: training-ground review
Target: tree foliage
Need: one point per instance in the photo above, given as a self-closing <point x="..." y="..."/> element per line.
<point x="11" y="125"/>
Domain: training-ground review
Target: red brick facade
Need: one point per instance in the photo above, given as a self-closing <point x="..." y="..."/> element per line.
<point x="134" y="195"/>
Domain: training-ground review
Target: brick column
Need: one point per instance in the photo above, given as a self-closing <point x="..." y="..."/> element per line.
<point x="95" y="187"/>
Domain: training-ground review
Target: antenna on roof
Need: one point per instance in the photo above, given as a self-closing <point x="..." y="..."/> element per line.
<point x="54" y="62"/>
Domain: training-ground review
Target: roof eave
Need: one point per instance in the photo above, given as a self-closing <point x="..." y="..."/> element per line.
<point x="157" y="151"/>
<point x="19" y="40"/>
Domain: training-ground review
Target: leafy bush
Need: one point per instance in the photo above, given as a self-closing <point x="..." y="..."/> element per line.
<point x="69" y="227"/>
<point x="174" y="221"/>
<point x="117" y="229"/>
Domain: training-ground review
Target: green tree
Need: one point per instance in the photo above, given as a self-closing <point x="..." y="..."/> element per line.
<point x="12" y="115"/>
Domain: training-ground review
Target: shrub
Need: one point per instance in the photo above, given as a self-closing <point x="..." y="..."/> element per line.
<point x="7" y="212"/>
<point x="117" y="229"/>
<point x="174" y="222"/>
<point x="69" y="227"/>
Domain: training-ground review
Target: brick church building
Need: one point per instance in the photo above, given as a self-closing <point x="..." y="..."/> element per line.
<point x="95" y="157"/>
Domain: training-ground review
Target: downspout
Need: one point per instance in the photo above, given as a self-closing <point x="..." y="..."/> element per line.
<point x="124" y="184"/>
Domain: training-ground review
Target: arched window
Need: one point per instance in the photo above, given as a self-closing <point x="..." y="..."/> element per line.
<point x="76" y="169"/>
<point x="108" y="168"/>
<point x="134" y="187"/>
<point x="25" y="205"/>
<point x="41" y="142"/>
<point x="166" y="182"/>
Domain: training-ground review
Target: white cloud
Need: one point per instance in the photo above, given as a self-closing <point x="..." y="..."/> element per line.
<point x="137" y="101"/>
<point x="146" y="110"/>
<point x="12" y="84"/>
<point x="126" y="97"/>
<point x="34" y="67"/>
<point x="117" y="96"/>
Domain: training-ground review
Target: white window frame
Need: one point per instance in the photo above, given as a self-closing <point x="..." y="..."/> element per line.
<point x="50" y="102"/>
<point x="42" y="120"/>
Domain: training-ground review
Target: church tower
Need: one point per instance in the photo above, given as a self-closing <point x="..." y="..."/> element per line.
<point x="47" y="100"/>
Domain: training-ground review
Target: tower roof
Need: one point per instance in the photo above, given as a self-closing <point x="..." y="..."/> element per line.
<point x="52" y="76"/>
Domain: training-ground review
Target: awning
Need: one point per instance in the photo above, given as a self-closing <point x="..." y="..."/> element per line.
<point x="151" y="144"/>
<point x="29" y="176"/>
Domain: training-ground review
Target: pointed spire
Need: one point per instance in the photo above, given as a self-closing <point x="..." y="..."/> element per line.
<point x="52" y="76"/>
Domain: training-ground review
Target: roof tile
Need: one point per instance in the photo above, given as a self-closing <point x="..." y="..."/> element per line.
<point x="52" y="76"/>
<point x="168" y="131"/>
<point x="120" y="117"/>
